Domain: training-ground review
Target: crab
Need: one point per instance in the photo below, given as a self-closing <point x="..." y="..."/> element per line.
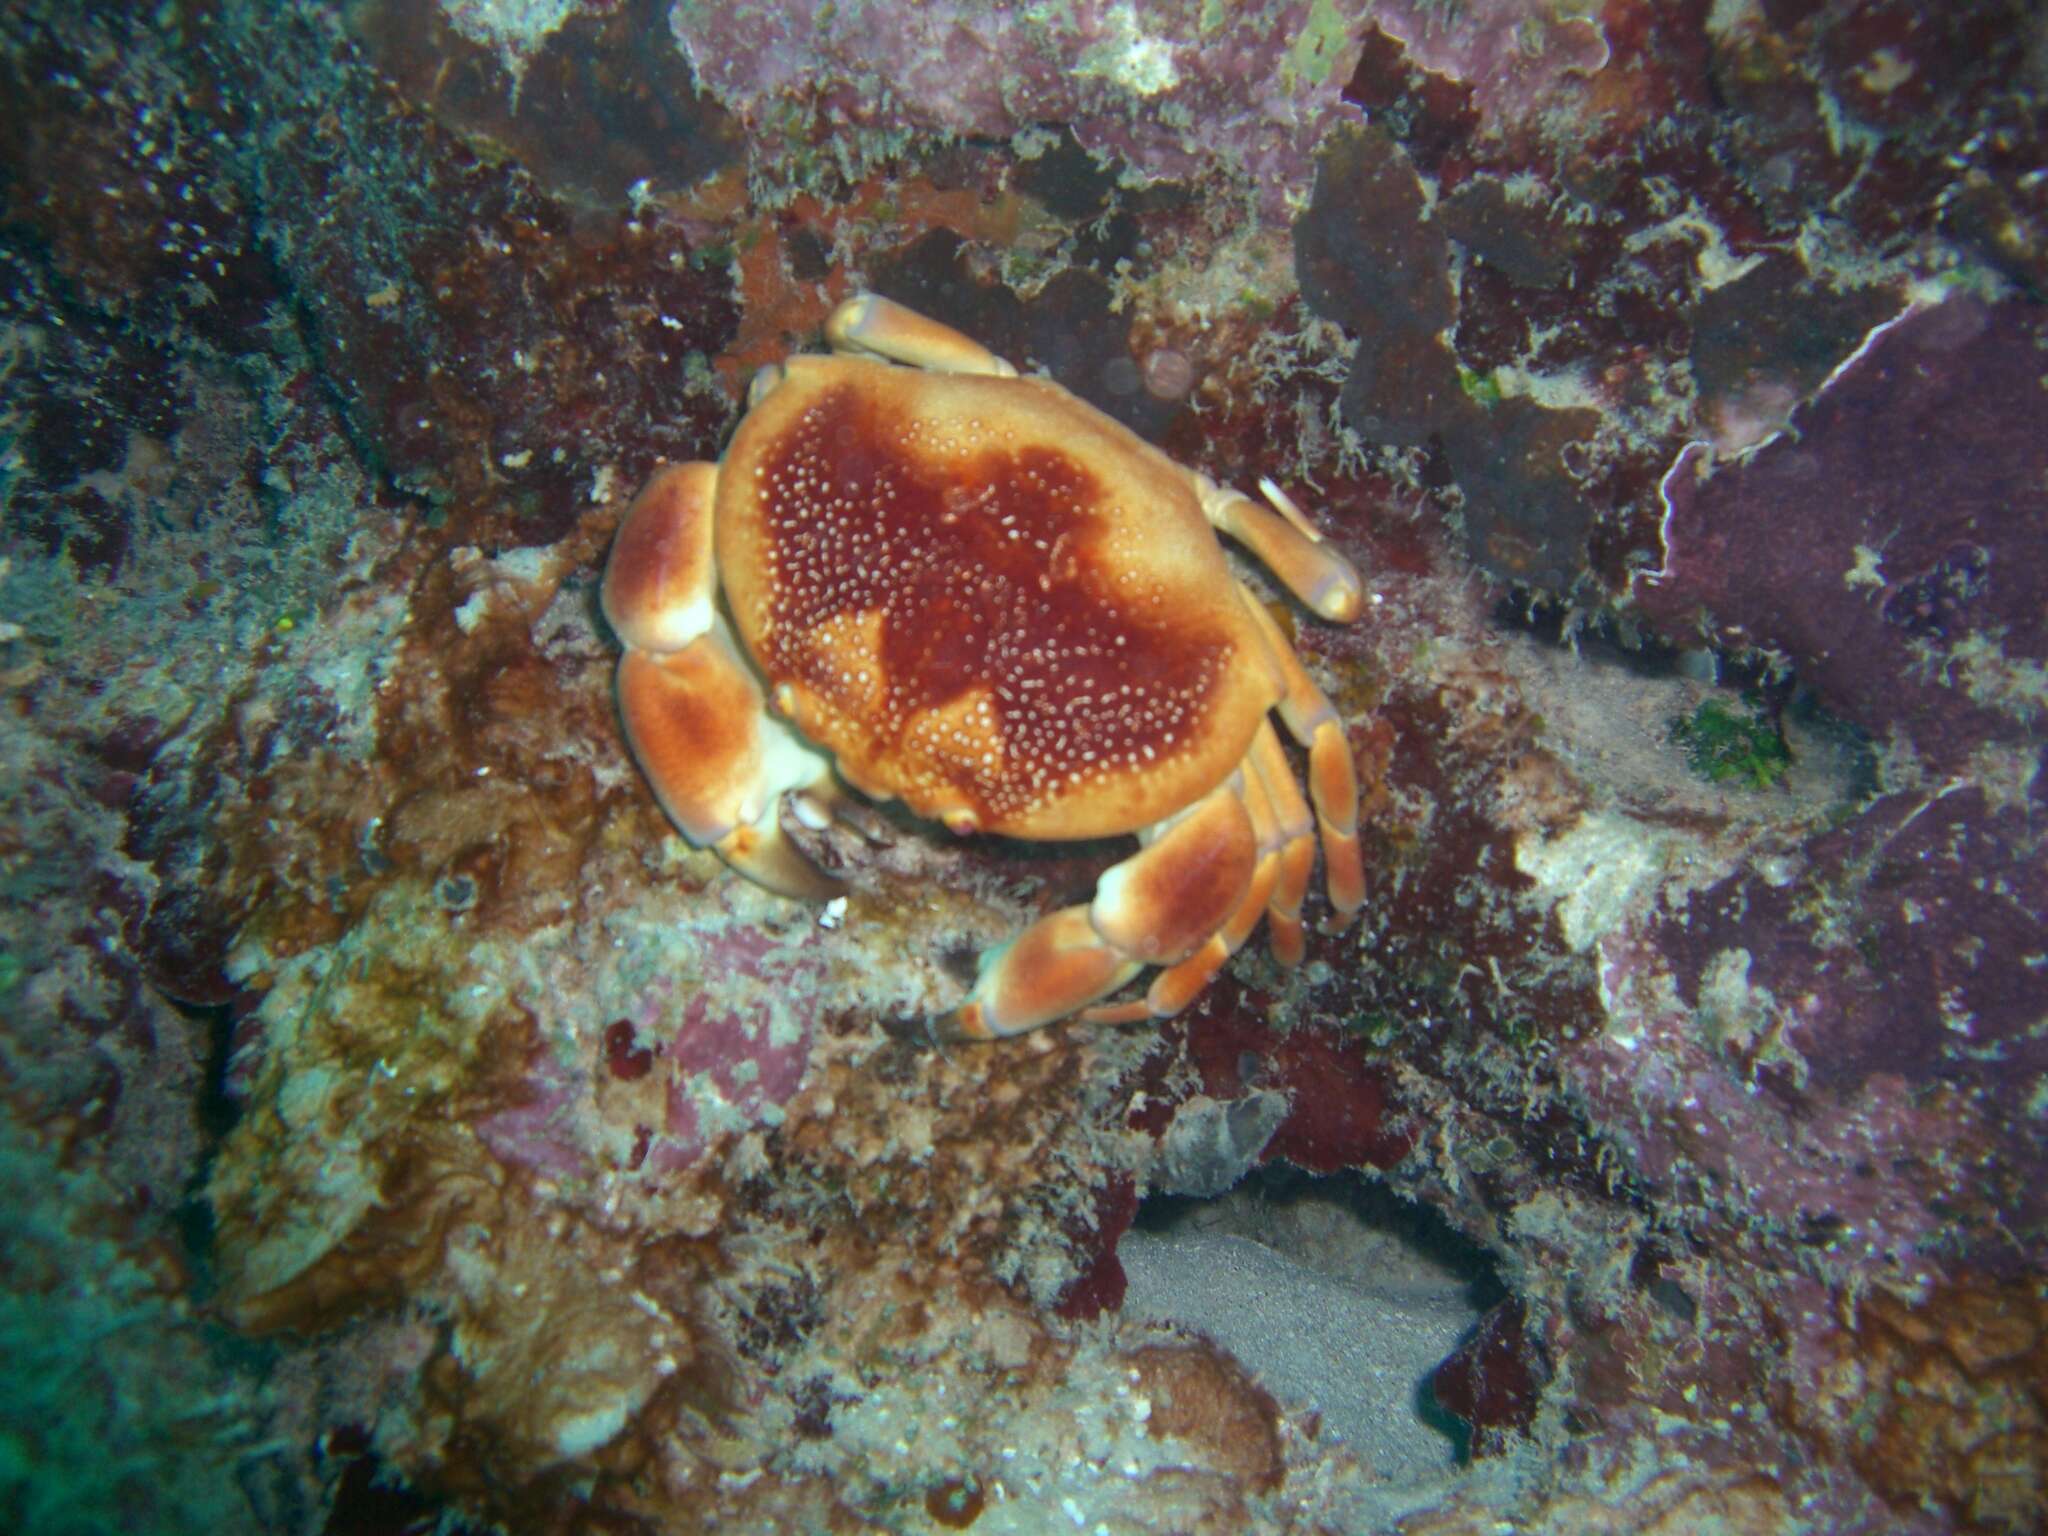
<point x="921" y="575"/>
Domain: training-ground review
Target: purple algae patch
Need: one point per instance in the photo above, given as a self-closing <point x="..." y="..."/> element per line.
<point x="1889" y="547"/>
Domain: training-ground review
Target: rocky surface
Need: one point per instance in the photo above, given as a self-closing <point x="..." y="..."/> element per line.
<point x="402" y="1124"/>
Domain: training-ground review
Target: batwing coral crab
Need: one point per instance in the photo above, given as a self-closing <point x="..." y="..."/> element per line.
<point x="971" y="591"/>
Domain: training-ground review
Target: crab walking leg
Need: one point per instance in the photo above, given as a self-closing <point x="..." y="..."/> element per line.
<point x="1178" y="985"/>
<point x="1288" y="545"/>
<point x="1332" y="776"/>
<point x="1052" y="968"/>
<point x="1258" y="895"/>
<point x="1164" y="905"/>
<point x="1297" y="850"/>
<point x="1333" y="786"/>
<point x="871" y="324"/>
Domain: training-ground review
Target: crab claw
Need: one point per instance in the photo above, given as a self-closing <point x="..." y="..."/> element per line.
<point x="1332" y="774"/>
<point x="765" y="855"/>
<point x="659" y="582"/>
<point x="718" y="764"/>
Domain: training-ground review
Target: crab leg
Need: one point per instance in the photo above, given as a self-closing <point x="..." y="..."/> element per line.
<point x="1295" y="829"/>
<point x="1046" y="972"/>
<point x="1163" y="902"/>
<point x="1259" y="895"/>
<point x="1178" y="985"/>
<point x="1164" y="905"/>
<point x="1332" y="776"/>
<point x="694" y="714"/>
<point x="1288" y="545"/>
<point x="871" y="324"/>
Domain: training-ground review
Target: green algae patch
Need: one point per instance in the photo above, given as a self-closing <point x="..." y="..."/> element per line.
<point x="1720" y="745"/>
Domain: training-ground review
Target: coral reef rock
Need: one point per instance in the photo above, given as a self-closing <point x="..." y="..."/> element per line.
<point x="403" y="1128"/>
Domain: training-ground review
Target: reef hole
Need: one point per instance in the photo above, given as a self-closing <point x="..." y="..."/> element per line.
<point x="1340" y="1294"/>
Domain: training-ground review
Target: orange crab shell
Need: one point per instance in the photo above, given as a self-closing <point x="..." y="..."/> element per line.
<point x="988" y="599"/>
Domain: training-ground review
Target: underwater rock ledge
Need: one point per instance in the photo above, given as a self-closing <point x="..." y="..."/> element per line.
<point x="403" y="1125"/>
